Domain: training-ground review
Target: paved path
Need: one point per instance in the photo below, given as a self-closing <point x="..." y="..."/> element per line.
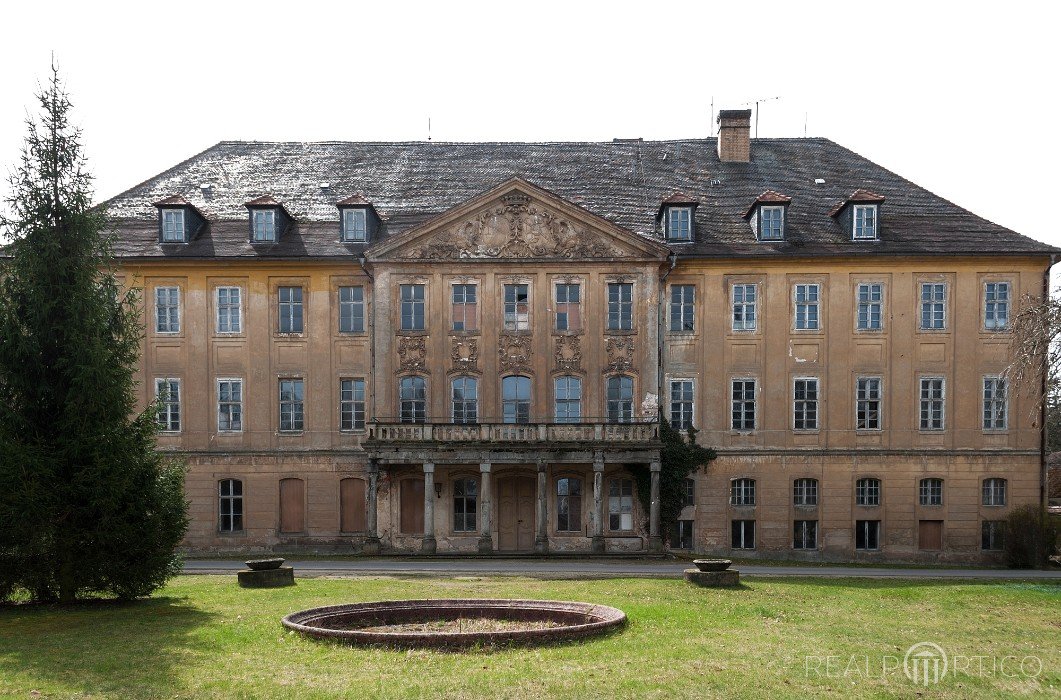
<point x="594" y="568"/>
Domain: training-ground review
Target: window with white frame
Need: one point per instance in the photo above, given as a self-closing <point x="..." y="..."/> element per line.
<point x="994" y="493"/>
<point x="742" y="492"/>
<point x="995" y="408"/>
<point x="870" y="307"/>
<point x="290" y="309"/>
<point x="263" y="223"/>
<point x="620" y="306"/>
<point x="931" y="403"/>
<point x="464" y="398"/>
<point x="411" y="298"/>
<point x="865" y="221"/>
<point x="992" y="535"/>
<point x="805" y="534"/>
<point x="867" y="534"/>
<point x="743" y="404"/>
<point x="867" y="403"/>
<point x="805" y="403"/>
<point x="806" y="307"/>
<point x="173" y="226"/>
<point x="168" y="392"/>
<point x="465" y="504"/>
<point x="355" y="225"/>
<point x="679" y="223"/>
<point x="805" y="492"/>
<point x="291" y="404"/>
<point x="682" y="307"/>
<point x="351" y="404"/>
<point x="683" y="535"/>
<point x="230" y="505"/>
<point x="167" y="309"/>
<point x="517" y="307"/>
<point x="744" y="307"/>
<point x="229" y="310"/>
<point x="867" y="492"/>
<point x="620" y="398"/>
<point x="352" y="309"/>
<point x="996" y="305"/>
<point x="620" y="505"/>
<point x="771" y="223"/>
<point x="229" y="405"/>
<point x="568" y="398"/>
<point x="742" y="534"/>
<point x="689" y="493"/>
<point x="412" y="400"/>
<point x="569" y="504"/>
<point x="930" y="492"/>
<point x="465" y="308"/>
<point x="568" y="309"/>
<point x="515" y="399"/>
<point x="681" y="404"/>
<point x="933" y="306"/>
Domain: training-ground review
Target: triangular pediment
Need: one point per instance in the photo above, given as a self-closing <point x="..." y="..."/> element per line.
<point x="517" y="220"/>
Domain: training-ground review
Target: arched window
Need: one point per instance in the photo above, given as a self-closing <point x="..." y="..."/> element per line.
<point x="412" y="400"/>
<point x="805" y="492"/>
<point x="464" y="394"/>
<point x="352" y="505"/>
<point x="620" y="399"/>
<point x="230" y="505"/>
<point x="742" y="492"/>
<point x="568" y="399"/>
<point x="931" y="492"/>
<point x="867" y="492"/>
<point x="569" y="504"/>
<point x="994" y="492"/>
<point x="515" y="399"/>
<point x="465" y="504"/>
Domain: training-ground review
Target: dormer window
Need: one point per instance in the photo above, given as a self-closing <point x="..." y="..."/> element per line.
<point x="865" y="221"/>
<point x="178" y="220"/>
<point x="772" y="223"/>
<point x="263" y="225"/>
<point x="268" y="220"/>
<point x="355" y="225"/>
<point x="173" y="230"/>
<point x="358" y="220"/>
<point x="859" y="214"/>
<point x="679" y="224"/>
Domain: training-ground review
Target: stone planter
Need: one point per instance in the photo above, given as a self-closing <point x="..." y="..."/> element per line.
<point x="713" y="579"/>
<point x="712" y="564"/>
<point x="264" y="564"/>
<point x="266" y="578"/>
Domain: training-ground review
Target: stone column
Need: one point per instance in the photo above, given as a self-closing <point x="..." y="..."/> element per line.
<point x="486" y="539"/>
<point x="372" y="543"/>
<point x="655" y="542"/>
<point x="597" y="543"/>
<point x="428" y="546"/>
<point x="541" y="538"/>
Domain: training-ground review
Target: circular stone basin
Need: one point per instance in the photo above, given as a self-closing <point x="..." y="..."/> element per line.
<point x="456" y="623"/>
<point x="264" y="564"/>
<point x="712" y="564"/>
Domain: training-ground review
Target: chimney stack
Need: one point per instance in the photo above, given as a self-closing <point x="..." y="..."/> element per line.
<point x="734" y="135"/>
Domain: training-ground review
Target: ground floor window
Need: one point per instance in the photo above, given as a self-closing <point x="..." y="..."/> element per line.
<point x="621" y="504"/>
<point x="805" y="534"/>
<point x="465" y="504"/>
<point x="867" y="534"/>
<point x="683" y="535"/>
<point x="569" y="505"/>
<point x="992" y="535"/>
<point x="230" y="505"/>
<point x="742" y="534"/>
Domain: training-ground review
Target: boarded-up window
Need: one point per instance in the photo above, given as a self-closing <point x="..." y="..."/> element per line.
<point x="292" y="505"/>
<point x="412" y="516"/>
<point x="352" y="505"/>
<point x="930" y="535"/>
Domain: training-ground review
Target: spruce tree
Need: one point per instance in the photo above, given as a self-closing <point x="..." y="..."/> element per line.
<point x="87" y="504"/>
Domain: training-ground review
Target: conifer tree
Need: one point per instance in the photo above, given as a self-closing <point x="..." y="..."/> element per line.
<point x="87" y="504"/>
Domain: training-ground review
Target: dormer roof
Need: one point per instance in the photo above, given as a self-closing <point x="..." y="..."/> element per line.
<point x="769" y="197"/>
<point x="859" y="196"/>
<point x="264" y="201"/>
<point x="677" y="199"/>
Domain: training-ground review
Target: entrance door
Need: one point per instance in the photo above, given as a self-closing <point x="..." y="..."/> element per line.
<point x="515" y="508"/>
<point x="930" y="535"/>
<point x="412" y="504"/>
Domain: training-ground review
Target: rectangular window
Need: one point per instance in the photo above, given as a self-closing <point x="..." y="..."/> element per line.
<point x="355" y="226"/>
<point x="867" y="403"/>
<point x="291" y="405"/>
<point x="351" y="309"/>
<point x="568" y="309"/>
<point x="173" y="226"/>
<point x="264" y="225"/>
<point x="744" y="307"/>
<point x="569" y="505"/>
<point x="568" y="399"/>
<point x="229" y="405"/>
<point x="679" y="223"/>
<point x="517" y="307"/>
<point x="689" y="493"/>
<point x="992" y="535"/>
<point x="806" y="298"/>
<point x="465" y="307"/>
<point x="742" y="534"/>
<point x="681" y="403"/>
<point x="933" y="306"/>
<point x="683" y="535"/>
<point x="464" y="397"/>
<point x="743" y="404"/>
<point x="771" y="223"/>
<point x="865" y="221"/>
<point x="351" y="404"/>
<point x="994" y="492"/>
<point x="805" y="404"/>
<point x="996" y="305"/>
<point x="870" y="307"/>
<point x="290" y="308"/>
<point x="867" y="492"/>
<point x="230" y="505"/>
<point x="805" y="492"/>
<point x="805" y="534"/>
<point x="742" y="492"/>
<point x="931" y="403"/>
<point x="169" y="413"/>
<point x="465" y="505"/>
<point x="681" y="307"/>
<point x="930" y="492"/>
<point x="412" y="400"/>
<point x="994" y="403"/>
<point x="620" y="306"/>
<point x="620" y="397"/>
<point x="867" y="534"/>
<point x="229" y="310"/>
<point x="620" y="505"/>
<point x="412" y="307"/>
<point x="167" y="310"/>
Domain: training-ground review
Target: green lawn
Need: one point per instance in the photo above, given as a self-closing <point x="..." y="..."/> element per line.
<point x="204" y="637"/>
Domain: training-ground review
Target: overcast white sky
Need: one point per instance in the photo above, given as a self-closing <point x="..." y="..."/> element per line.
<point x="958" y="98"/>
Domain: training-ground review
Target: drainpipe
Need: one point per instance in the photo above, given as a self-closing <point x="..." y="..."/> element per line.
<point x="371" y="319"/>
<point x="1043" y="435"/>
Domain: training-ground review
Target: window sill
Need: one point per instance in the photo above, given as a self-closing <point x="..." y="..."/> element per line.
<point x="517" y="331"/>
<point x="867" y="432"/>
<point x="568" y="332"/>
<point x="620" y="331"/>
<point x="229" y="334"/>
<point x="234" y="533"/>
<point x="344" y="334"/>
<point x="229" y="433"/>
<point x="466" y="333"/>
<point x="413" y="333"/>
<point x="353" y="431"/>
<point x="290" y="433"/>
<point x="292" y="336"/>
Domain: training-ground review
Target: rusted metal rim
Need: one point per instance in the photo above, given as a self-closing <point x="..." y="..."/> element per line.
<point x="346" y="623"/>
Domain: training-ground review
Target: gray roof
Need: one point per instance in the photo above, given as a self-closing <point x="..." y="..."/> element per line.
<point x="623" y="181"/>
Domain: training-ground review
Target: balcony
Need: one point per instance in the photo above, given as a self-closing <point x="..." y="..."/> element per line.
<point x="589" y="432"/>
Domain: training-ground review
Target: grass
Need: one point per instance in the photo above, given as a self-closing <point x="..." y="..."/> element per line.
<point x="203" y="637"/>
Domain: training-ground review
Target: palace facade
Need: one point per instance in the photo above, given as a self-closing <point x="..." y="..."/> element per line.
<point x="466" y="347"/>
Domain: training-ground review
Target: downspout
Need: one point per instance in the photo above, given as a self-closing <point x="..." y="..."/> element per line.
<point x="1043" y="435"/>
<point x="363" y="261"/>
<point x="660" y="321"/>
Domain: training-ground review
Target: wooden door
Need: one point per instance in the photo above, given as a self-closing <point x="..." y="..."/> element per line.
<point x="412" y="505"/>
<point x="930" y="535"/>
<point x="292" y="505"/>
<point x="352" y="505"/>
<point x="515" y="507"/>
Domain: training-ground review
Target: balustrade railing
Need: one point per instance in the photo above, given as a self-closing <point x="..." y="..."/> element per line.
<point x="585" y="431"/>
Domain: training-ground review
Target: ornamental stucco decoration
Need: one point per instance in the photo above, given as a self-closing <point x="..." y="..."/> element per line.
<point x="513" y="352"/>
<point x="412" y="353"/>
<point x="568" y="353"/>
<point x="620" y="351"/>
<point x="465" y="354"/>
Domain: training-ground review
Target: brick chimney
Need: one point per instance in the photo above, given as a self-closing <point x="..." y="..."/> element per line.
<point x="734" y="135"/>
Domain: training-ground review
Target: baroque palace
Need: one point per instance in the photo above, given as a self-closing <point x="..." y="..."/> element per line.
<point x="467" y="347"/>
